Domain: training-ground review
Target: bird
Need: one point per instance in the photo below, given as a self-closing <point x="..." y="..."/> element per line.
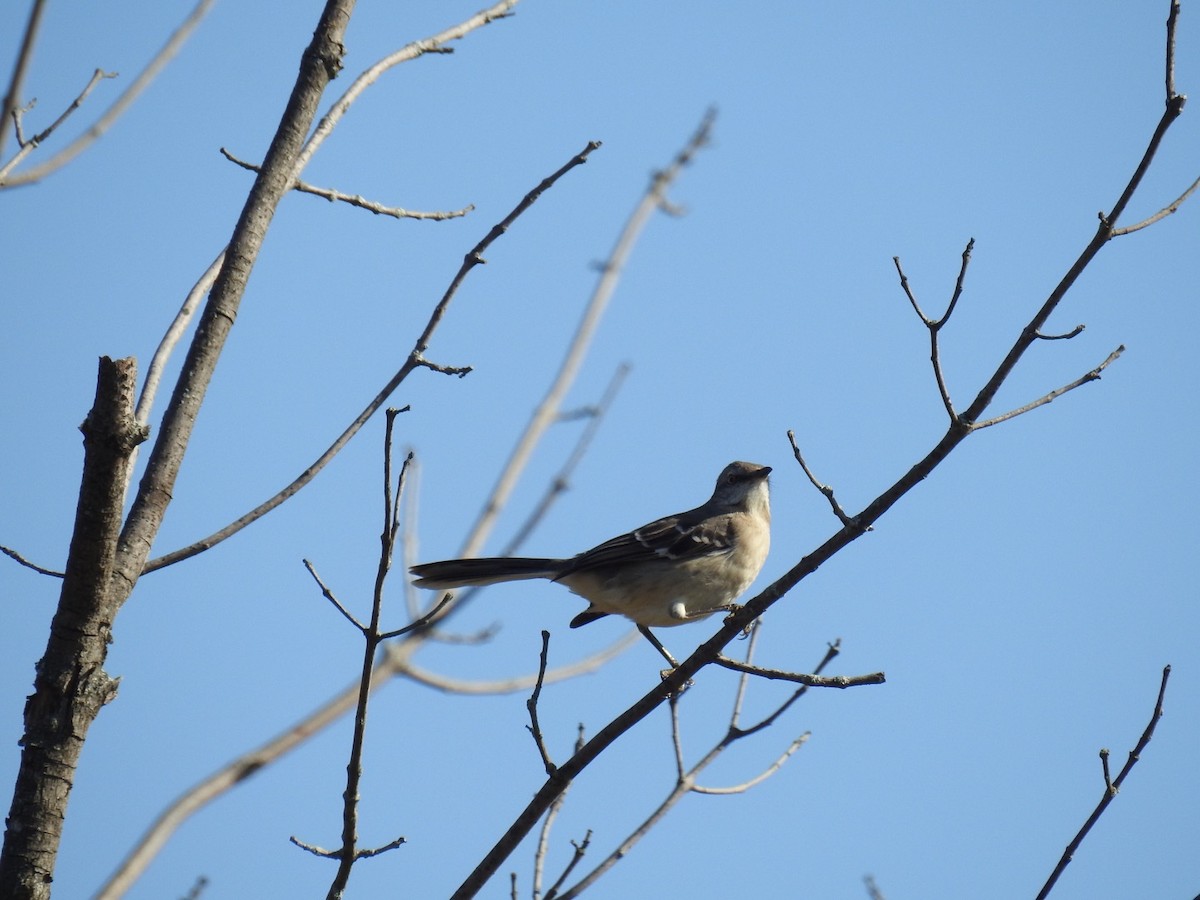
<point x="677" y="569"/>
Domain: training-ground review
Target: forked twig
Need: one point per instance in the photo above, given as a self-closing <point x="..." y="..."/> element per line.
<point x="826" y="490"/>
<point x="1111" y="787"/>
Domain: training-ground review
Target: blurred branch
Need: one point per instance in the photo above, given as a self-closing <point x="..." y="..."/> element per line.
<point x="551" y="404"/>
<point x="358" y="200"/>
<point x="1111" y="787"/>
<point x="561" y="482"/>
<point x="28" y="146"/>
<point x="12" y="99"/>
<point x="415" y="360"/>
<point x="123" y="102"/>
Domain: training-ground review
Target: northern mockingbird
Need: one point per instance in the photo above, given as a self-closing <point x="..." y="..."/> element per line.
<point x="674" y="570"/>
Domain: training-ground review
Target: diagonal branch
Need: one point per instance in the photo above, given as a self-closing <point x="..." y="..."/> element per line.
<point x="548" y="409"/>
<point x="956" y="433"/>
<point x="1111" y="787"/>
<point x="1093" y="375"/>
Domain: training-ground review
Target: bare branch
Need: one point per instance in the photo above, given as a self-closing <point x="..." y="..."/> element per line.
<point x="328" y="594"/>
<point x="1093" y="375"/>
<point x="433" y="44"/>
<point x="114" y="112"/>
<point x="1162" y="213"/>
<point x="358" y="200"/>
<point x="1111" y="787"/>
<point x="560" y="483"/>
<point x="546" y="412"/>
<point x="1066" y="336"/>
<point x="831" y="681"/>
<point x="14" y="555"/>
<point x="935" y="325"/>
<point x="399" y="665"/>
<point x="762" y="776"/>
<point x="12" y="99"/>
<point x="534" y="727"/>
<point x="581" y="849"/>
<point x="825" y="489"/>
<point x="1172" y="19"/>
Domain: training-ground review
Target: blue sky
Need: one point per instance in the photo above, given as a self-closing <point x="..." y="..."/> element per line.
<point x="1022" y="600"/>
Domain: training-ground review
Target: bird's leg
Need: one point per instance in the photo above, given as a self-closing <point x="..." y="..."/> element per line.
<point x="688" y="615"/>
<point x="658" y="646"/>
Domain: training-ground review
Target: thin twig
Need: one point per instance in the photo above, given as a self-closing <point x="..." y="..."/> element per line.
<point x="328" y="595"/>
<point x="14" y="555"/>
<point x="825" y="489"/>
<point x="349" y="853"/>
<point x="12" y="99"/>
<point x="1111" y="787"/>
<point x="1162" y="213"/>
<point x="1065" y="336"/>
<point x="831" y="681"/>
<point x="934" y="326"/>
<point x="1093" y="375"/>
<point x="358" y="200"/>
<point x="531" y="704"/>
<point x="581" y="849"/>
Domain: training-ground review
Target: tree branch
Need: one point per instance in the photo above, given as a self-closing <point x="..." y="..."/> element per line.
<point x="1111" y="787"/>
<point x="358" y="200"/>
<point x="71" y="685"/>
<point x="958" y="430"/>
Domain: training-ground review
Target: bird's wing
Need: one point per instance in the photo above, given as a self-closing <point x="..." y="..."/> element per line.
<point x="685" y="536"/>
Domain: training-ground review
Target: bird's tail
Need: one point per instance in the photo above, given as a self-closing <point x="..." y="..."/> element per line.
<point x="453" y="573"/>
